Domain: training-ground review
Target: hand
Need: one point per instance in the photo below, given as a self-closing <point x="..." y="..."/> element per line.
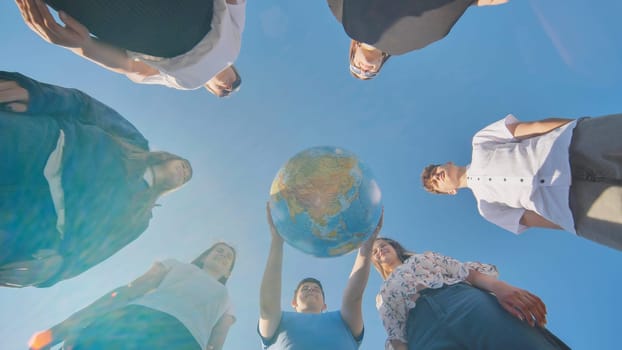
<point x="520" y="303"/>
<point x="42" y="340"/>
<point x="38" y="17"/>
<point x="276" y="237"/>
<point x="43" y="266"/>
<point x="14" y="97"/>
<point x="369" y="243"/>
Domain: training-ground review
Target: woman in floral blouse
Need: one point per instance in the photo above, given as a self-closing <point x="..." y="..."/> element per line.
<point x="430" y="301"/>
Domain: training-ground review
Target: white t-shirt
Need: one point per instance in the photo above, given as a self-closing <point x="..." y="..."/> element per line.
<point x="508" y="176"/>
<point x="53" y="172"/>
<point x="192" y="296"/>
<point x="216" y="51"/>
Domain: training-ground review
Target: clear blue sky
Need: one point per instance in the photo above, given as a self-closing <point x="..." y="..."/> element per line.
<point x="535" y="59"/>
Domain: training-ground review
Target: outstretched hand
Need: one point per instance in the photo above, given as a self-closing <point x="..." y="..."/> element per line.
<point x="274" y="233"/>
<point x="13" y="97"/>
<point x="47" y="339"/>
<point x="42" y="340"/>
<point x="39" y="268"/>
<point x="520" y="303"/>
<point x="38" y="17"/>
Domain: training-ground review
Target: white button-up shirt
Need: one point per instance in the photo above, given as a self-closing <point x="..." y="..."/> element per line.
<point x="508" y="176"/>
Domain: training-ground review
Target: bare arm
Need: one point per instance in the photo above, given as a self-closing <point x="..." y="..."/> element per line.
<point x="351" y="303"/>
<point x="76" y="37"/>
<point x="533" y="219"/>
<point x="525" y="130"/>
<point x="518" y="302"/>
<point x="270" y="292"/>
<point x="219" y="332"/>
<point x="117" y="298"/>
<point x="22" y="94"/>
<point x="112" y="58"/>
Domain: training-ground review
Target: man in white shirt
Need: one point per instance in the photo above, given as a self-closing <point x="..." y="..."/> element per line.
<point x="208" y="64"/>
<point x="555" y="173"/>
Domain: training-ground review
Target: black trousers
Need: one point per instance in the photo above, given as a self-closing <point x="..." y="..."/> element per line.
<point x="161" y="28"/>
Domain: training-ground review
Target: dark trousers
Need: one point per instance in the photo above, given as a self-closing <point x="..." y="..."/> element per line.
<point x="461" y="316"/>
<point x="596" y="191"/>
<point x="161" y="28"/>
<point x="135" y="327"/>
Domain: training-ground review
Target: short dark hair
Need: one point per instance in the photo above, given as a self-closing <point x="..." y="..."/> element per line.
<point x="198" y="261"/>
<point x="426" y="178"/>
<point x="309" y="280"/>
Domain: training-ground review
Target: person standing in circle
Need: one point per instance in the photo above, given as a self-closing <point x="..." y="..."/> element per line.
<point x="151" y="42"/>
<point x="174" y="305"/>
<point x="380" y="29"/>
<point x="432" y="301"/>
<point x="78" y="181"/>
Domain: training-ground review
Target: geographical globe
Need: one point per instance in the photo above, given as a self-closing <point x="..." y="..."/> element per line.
<point x="325" y="202"/>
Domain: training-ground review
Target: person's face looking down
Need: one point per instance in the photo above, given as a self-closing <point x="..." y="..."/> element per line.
<point x="366" y="60"/>
<point x="224" y="83"/>
<point x="309" y="298"/>
<point x="444" y="178"/>
<point x="384" y="253"/>
<point x="172" y="174"/>
<point x="219" y="261"/>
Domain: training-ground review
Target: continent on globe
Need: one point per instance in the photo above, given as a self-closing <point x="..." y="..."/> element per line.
<point x="325" y="201"/>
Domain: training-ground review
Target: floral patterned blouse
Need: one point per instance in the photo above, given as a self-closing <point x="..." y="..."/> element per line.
<point x="427" y="270"/>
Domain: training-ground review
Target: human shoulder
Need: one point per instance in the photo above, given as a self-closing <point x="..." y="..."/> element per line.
<point x="497" y="132"/>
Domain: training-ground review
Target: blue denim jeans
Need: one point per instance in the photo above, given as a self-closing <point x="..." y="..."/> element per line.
<point x="461" y="316"/>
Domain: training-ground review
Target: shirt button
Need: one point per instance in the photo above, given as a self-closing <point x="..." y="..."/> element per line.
<point x="478" y="179"/>
<point x="489" y="179"/>
<point x="521" y="180"/>
<point x="505" y="179"/>
<point x="542" y="181"/>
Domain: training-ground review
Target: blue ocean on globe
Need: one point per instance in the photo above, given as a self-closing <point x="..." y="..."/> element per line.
<point x="325" y="202"/>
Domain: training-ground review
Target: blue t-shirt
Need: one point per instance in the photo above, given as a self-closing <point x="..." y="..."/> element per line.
<point x="300" y="331"/>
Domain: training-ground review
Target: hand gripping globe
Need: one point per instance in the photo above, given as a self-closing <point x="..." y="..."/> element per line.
<point x="325" y="202"/>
